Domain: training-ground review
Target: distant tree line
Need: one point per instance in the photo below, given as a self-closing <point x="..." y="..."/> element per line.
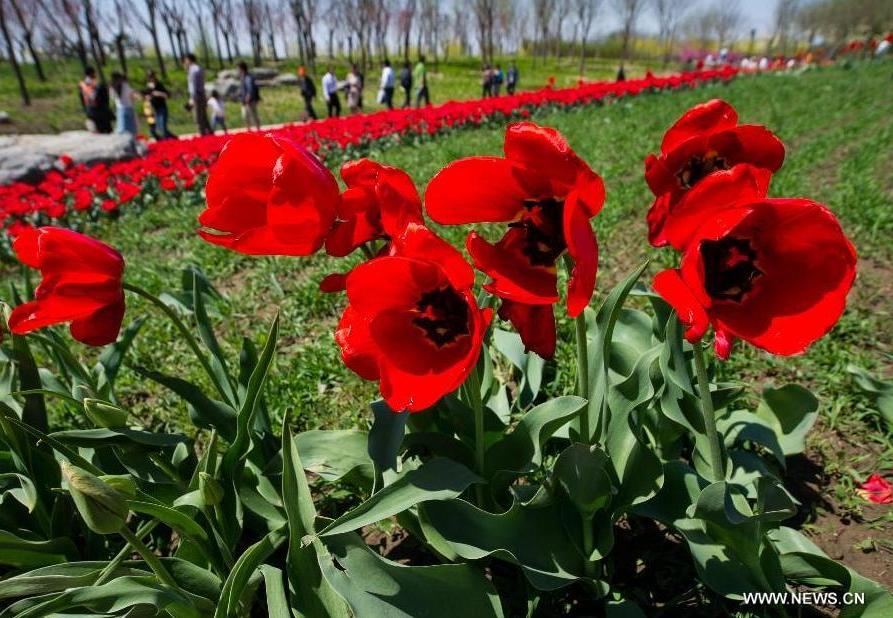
<point x="158" y="32"/>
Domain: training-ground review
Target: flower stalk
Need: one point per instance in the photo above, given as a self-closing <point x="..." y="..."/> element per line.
<point x="716" y="463"/>
<point x="473" y="392"/>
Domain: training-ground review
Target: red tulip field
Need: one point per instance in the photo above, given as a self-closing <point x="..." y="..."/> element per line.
<point x="621" y="349"/>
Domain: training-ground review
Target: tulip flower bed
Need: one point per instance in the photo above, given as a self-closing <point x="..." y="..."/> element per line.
<point x="554" y="435"/>
<point x="74" y="192"/>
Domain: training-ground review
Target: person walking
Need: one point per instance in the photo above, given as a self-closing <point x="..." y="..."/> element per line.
<point x="249" y="97"/>
<point x="94" y="96"/>
<point x="406" y="83"/>
<point x="512" y="78"/>
<point x="354" y="90"/>
<point x="330" y="93"/>
<point x="486" y="81"/>
<point x="308" y="92"/>
<point x="218" y="112"/>
<point x="157" y="96"/>
<point x="498" y="78"/>
<point x="124" y="98"/>
<point x="420" y="77"/>
<point x="387" y="85"/>
<point x="198" y="102"/>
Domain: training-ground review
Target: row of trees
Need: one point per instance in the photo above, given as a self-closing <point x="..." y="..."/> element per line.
<point x="102" y="31"/>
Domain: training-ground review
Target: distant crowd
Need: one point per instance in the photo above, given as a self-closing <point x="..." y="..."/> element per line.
<point x="112" y="107"/>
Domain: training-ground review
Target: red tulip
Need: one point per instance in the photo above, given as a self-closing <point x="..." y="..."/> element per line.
<point x="741" y="185"/>
<point x="547" y="195"/>
<point x="268" y="196"/>
<point x="412" y="321"/>
<point x="876" y="489"/>
<point x="81" y="285"/>
<point x="378" y="204"/>
<point x="705" y="139"/>
<point x="774" y="273"/>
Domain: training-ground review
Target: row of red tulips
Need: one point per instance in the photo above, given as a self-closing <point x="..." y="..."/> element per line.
<point x="171" y="165"/>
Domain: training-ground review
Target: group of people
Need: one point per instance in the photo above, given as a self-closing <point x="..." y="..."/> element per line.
<point x="492" y="79"/>
<point x="208" y="106"/>
<point x="355" y="82"/>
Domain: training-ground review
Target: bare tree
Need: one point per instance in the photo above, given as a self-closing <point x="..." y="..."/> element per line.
<point x="55" y="12"/>
<point x="628" y="11"/>
<point x="669" y="15"/>
<point x="253" y="12"/>
<point x="460" y="28"/>
<point x="542" y="14"/>
<point x="92" y="24"/>
<point x="11" y="55"/>
<point x="122" y="26"/>
<point x="785" y="15"/>
<point x="25" y="13"/>
<point x="585" y="10"/>
<point x="150" y="23"/>
<point x="485" y="19"/>
<point x="562" y="10"/>
<point x="727" y="20"/>
<point x="404" y="24"/>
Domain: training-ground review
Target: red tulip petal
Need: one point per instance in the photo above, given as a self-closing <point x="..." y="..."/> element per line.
<point x="417" y="241"/>
<point x="691" y="313"/>
<point x="391" y="282"/>
<point x="535" y="324"/>
<point x="550" y="165"/>
<point x="513" y="277"/>
<point x="102" y="327"/>
<point x="709" y="117"/>
<point x="358" y="350"/>
<point x="583" y="249"/>
<point x="474" y="190"/>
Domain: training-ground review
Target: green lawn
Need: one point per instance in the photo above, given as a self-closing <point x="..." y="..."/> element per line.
<point x="55" y="105"/>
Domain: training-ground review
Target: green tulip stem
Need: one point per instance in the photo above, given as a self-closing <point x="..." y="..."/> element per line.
<point x="149" y="557"/>
<point x="716" y="465"/>
<point x="121" y="556"/>
<point x="187" y="335"/>
<point x="473" y="390"/>
<point x="583" y="376"/>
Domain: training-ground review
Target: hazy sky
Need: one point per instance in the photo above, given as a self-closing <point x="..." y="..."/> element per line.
<point x="757" y="14"/>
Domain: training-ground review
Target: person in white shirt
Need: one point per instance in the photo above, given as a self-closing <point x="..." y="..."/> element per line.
<point x="198" y="103"/>
<point x="387" y="85"/>
<point x="124" y="97"/>
<point x="218" y="112"/>
<point x="330" y="92"/>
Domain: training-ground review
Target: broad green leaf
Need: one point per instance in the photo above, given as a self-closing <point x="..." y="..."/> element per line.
<point x="600" y="330"/>
<point x="312" y="595"/>
<point x="583" y="472"/>
<point x="436" y="479"/>
<point x="118" y="436"/>
<point x="121" y="594"/>
<point x="277" y="601"/>
<point x="386" y="435"/>
<point x="246" y="565"/>
<point x="880" y="392"/>
<point x="113" y="356"/>
<point x="531" y="536"/>
<point x="20" y="487"/>
<point x="178" y="520"/>
<point x="206" y="333"/>
<point x="20" y="553"/>
<point x="529" y="364"/>
<point x="743" y="426"/>
<point x="374" y="586"/>
<point x="792" y="411"/>
<point x="520" y="451"/>
<point x="335" y="454"/>
<point x="34" y="412"/>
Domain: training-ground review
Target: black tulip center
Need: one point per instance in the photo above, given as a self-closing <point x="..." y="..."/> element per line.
<point x="700" y="166"/>
<point x="543" y="231"/>
<point x="443" y="315"/>
<point x="729" y="268"/>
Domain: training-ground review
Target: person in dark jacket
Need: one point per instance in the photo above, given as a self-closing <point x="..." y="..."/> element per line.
<point x="94" y="96"/>
<point x="308" y="92"/>
<point x="512" y="78"/>
<point x="158" y="96"/>
<point x="406" y="83"/>
<point x="249" y="97"/>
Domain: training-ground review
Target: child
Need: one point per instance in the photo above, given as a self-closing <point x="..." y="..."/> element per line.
<point x="218" y="112"/>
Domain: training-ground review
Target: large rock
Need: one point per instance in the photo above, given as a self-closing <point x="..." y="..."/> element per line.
<point x="286" y="79"/>
<point x="227" y="88"/>
<point x="28" y="157"/>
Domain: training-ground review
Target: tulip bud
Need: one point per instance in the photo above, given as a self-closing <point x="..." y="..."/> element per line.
<point x="104" y="414"/>
<point x="211" y="491"/>
<point x="102" y="506"/>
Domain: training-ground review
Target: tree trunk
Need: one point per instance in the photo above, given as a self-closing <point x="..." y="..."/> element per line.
<point x="13" y="61"/>
<point x="122" y="56"/>
<point x="582" y="55"/>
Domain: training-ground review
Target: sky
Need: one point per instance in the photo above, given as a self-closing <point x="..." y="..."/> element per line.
<point x="757" y="14"/>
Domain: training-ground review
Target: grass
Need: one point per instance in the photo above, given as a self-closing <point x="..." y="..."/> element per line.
<point x="55" y="106"/>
